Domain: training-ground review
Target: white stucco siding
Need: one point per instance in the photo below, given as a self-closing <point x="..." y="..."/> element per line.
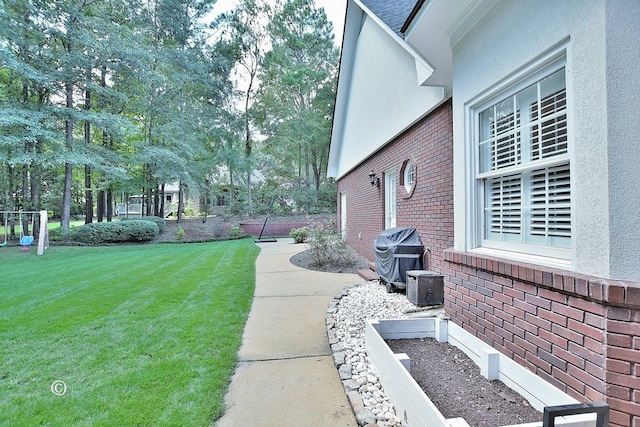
<point x="384" y="97"/>
<point x="509" y="37"/>
<point x="623" y="135"/>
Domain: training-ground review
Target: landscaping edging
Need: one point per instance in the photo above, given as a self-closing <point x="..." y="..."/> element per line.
<point x="416" y="407"/>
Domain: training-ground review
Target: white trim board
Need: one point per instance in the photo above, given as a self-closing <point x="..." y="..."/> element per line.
<point x="415" y="407"/>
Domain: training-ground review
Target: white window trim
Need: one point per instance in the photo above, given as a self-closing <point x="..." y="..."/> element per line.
<point x="554" y="59"/>
<point x="390" y="193"/>
<point x="408" y="186"/>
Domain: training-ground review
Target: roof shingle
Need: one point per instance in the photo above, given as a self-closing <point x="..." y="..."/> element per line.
<point x="393" y="13"/>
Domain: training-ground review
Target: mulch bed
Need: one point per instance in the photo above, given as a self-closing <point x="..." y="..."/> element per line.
<point x="454" y="384"/>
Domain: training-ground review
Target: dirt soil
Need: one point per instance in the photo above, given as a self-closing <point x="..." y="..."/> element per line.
<point x="454" y="384"/>
<point x="305" y="259"/>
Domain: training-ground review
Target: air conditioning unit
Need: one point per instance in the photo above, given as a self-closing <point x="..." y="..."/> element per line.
<point x="425" y="287"/>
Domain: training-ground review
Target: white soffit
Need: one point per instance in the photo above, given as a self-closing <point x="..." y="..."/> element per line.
<point x="423" y="68"/>
<point x="437" y="26"/>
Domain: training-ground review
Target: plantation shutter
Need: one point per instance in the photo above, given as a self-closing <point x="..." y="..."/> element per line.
<point x="551" y="204"/>
<point x="505" y="205"/>
<point x="549" y="131"/>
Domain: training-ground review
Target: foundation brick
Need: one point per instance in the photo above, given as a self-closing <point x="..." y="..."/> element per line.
<point x="556" y="318"/>
<point x="623" y="393"/>
<point x="569" y="312"/>
<point x="627" y="328"/>
<point x="630" y="355"/>
<point x="569" y="357"/>
<point x="619" y="366"/>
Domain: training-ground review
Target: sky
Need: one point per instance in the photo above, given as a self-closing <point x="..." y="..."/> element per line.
<point x="334" y="9"/>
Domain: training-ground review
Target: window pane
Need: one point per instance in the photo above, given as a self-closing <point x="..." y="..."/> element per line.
<point x="552" y="84"/>
<point x="500" y="130"/>
<point x="506" y="150"/>
<point x="549" y="133"/>
<point x="487" y="132"/>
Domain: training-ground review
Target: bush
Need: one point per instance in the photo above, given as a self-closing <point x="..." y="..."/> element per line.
<point x="218" y="227"/>
<point x="299" y="235"/>
<point x="326" y="244"/>
<point x="180" y="233"/>
<point x="117" y="232"/>
<point x="235" y="232"/>
<point x="55" y="235"/>
<point x="160" y="222"/>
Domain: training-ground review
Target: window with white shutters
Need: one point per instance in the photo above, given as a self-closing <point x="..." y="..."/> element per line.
<point x="524" y="171"/>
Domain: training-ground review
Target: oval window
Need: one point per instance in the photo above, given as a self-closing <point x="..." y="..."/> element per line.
<point x="409" y="176"/>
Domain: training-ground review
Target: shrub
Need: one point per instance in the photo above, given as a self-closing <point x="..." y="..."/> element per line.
<point x="299" y="235"/>
<point x="55" y="235"/>
<point x="218" y="227"/>
<point x="117" y="232"/>
<point x="326" y="244"/>
<point x="235" y="232"/>
<point x="160" y="222"/>
<point x="180" y="233"/>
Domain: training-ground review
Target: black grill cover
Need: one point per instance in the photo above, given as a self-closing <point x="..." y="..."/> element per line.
<point x="398" y="250"/>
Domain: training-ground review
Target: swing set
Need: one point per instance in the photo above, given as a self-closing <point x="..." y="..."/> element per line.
<point x="27" y="222"/>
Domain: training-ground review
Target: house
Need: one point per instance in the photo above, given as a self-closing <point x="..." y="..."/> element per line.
<point x="506" y="132"/>
<point x="136" y="205"/>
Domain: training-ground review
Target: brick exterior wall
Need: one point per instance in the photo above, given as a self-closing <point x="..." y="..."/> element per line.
<point x="429" y="208"/>
<point x="580" y="333"/>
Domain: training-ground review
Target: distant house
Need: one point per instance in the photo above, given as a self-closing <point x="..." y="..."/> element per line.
<point x="135" y="206"/>
<point x="507" y="133"/>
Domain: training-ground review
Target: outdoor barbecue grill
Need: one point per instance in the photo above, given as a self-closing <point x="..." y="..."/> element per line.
<point x="397" y="251"/>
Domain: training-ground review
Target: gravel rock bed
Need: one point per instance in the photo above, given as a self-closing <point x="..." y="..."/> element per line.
<point x="346" y="318"/>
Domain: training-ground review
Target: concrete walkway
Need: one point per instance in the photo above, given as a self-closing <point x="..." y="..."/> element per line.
<point x="286" y="375"/>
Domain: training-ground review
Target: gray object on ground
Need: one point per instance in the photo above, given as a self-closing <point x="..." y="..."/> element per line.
<point x="397" y="250"/>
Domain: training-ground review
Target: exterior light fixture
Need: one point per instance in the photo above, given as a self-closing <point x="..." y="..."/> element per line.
<point x="375" y="181"/>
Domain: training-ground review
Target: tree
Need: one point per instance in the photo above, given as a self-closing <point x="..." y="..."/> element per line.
<point x="297" y="92"/>
<point x="248" y="38"/>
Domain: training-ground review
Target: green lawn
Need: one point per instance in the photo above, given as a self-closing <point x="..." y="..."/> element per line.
<point x="140" y="335"/>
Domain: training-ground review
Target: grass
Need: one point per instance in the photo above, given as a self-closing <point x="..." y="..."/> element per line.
<point x="141" y="335"/>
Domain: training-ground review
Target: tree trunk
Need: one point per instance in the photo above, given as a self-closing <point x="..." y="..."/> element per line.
<point x="248" y="146"/>
<point x="100" y="206"/>
<point x="68" y="168"/>
<point x="36" y="192"/>
<point x="12" y="202"/>
<point x="109" y="204"/>
<point x="88" y="193"/>
<point x="66" y="194"/>
<point x="180" y="201"/>
<point x="156" y="201"/>
<point x="146" y="201"/>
